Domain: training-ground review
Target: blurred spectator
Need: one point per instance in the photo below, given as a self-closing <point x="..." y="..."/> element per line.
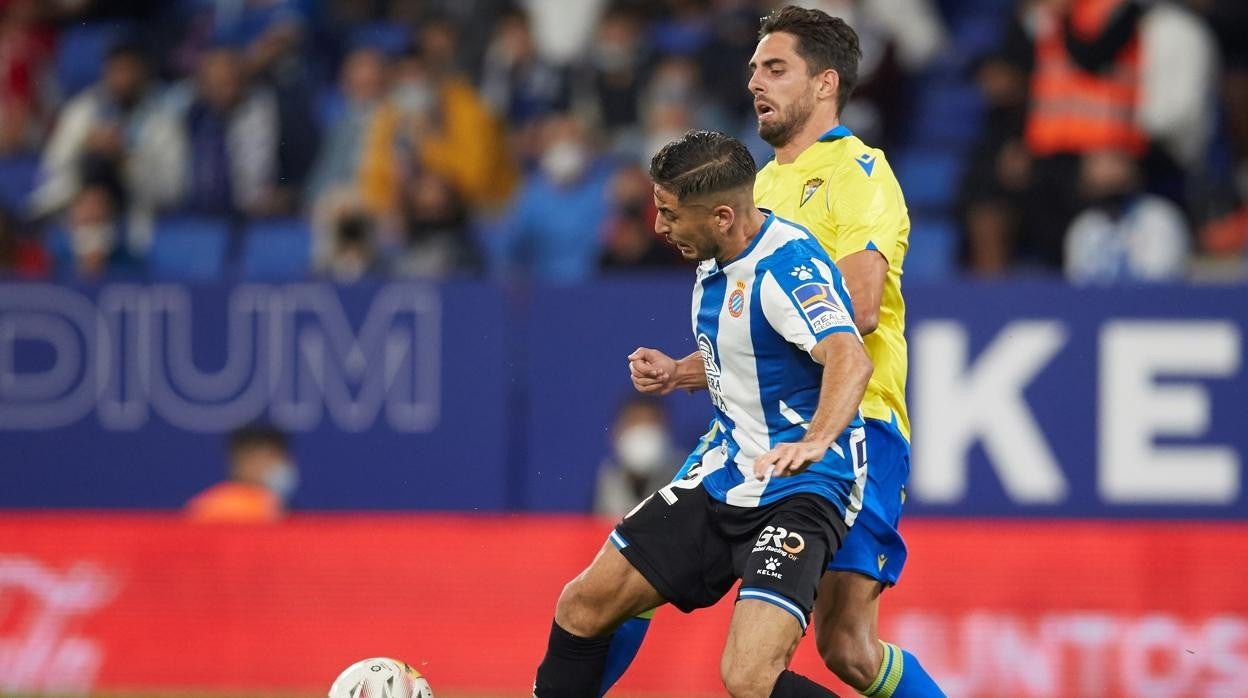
<point x="261" y="479"/>
<point x="1178" y="66"/>
<point x="364" y="85"/>
<point x="91" y="245"/>
<point x="115" y="134"/>
<point x="351" y="252"/>
<point x="630" y="241"/>
<point x="435" y="240"/>
<point x="1124" y="235"/>
<point x="19" y="256"/>
<point x="553" y="232"/>
<point x="642" y="457"/>
<point x="25" y="49"/>
<point x="230" y="130"/>
<point x="1084" y="95"/>
<point x="898" y="38"/>
<point x="618" y="68"/>
<point x="435" y="120"/>
<point x="672" y="104"/>
<point x="998" y="167"/>
<point x="518" y="84"/>
<point x="733" y="36"/>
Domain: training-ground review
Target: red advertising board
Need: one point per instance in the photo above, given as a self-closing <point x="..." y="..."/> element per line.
<point x="994" y="608"/>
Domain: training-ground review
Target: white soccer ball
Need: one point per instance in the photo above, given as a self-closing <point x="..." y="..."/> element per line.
<point x="380" y="678"/>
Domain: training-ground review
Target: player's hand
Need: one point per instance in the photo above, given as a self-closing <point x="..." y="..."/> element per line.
<point x="652" y="371"/>
<point x="788" y="459"/>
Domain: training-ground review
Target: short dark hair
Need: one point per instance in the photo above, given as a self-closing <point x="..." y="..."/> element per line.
<point x="253" y="435"/>
<point x="128" y="49"/>
<point x="701" y="163"/>
<point x="823" y="41"/>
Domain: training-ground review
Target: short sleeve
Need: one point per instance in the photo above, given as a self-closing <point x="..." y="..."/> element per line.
<point x="802" y="304"/>
<point x="867" y="208"/>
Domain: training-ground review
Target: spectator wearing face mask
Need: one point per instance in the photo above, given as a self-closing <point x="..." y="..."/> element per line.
<point x="261" y="479"/>
<point x="1125" y="235"/>
<point x="91" y="243"/>
<point x="436" y="120"/>
<point x="553" y="231"/>
<point x="642" y="458"/>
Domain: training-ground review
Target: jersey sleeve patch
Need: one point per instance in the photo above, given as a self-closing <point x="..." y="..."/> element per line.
<point x="819" y="303"/>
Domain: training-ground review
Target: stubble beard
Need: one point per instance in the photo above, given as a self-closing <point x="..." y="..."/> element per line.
<point x="780" y="131"/>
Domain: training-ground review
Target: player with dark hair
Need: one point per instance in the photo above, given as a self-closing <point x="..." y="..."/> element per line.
<point x="769" y="505"/>
<point x="803" y="72"/>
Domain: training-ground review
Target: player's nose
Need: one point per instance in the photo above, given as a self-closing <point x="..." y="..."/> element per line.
<point x="755" y="86"/>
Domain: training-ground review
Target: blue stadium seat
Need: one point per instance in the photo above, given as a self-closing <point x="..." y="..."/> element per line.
<point x="388" y="37"/>
<point x="947" y="115"/>
<point x="189" y="249"/>
<point x="277" y="250"/>
<point x="933" y="249"/>
<point x="17" y="180"/>
<point x="929" y="179"/>
<point x="80" y="53"/>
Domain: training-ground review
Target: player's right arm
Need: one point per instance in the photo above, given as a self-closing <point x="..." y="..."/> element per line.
<point x="656" y="373"/>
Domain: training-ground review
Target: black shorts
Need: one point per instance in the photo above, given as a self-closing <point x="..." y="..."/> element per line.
<point x="693" y="548"/>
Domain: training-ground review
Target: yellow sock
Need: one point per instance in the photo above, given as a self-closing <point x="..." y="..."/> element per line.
<point x="889" y="677"/>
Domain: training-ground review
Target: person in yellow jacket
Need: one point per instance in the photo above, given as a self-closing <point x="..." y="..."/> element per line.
<point x="434" y="119"/>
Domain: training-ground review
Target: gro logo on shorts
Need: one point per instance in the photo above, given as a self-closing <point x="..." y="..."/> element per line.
<point x="790" y="542"/>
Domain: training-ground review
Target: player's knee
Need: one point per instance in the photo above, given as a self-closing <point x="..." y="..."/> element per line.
<point x="749" y="675"/>
<point x="577" y="611"/>
<point x="854" y="657"/>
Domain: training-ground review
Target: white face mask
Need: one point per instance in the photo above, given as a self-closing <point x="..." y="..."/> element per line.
<point x="564" y="161"/>
<point x="413" y="97"/>
<point x="97" y="238"/>
<point x="282" y="479"/>
<point x="643" y="449"/>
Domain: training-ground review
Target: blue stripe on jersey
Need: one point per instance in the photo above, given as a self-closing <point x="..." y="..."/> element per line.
<point x="714" y="290"/>
<point x="787" y="376"/>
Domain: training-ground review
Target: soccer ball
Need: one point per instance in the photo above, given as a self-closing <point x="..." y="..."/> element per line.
<point x="380" y="678"/>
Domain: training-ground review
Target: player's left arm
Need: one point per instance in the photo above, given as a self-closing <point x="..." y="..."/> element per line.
<point x="870" y="217"/>
<point x="846" y="371"/>
<point x="805" y="307"/>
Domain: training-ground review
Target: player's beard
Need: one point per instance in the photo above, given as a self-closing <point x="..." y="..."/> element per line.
<point x="789" y="121"/>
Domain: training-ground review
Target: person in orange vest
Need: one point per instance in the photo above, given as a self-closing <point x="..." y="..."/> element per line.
<point x="1084" y="93"/>
<point x="261" y="480"/>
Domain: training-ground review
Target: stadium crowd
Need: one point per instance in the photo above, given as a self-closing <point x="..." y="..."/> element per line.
<point x="276" y="139"/>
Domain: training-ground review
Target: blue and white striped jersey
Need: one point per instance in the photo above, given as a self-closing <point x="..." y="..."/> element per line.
<point x="756" y="320"/>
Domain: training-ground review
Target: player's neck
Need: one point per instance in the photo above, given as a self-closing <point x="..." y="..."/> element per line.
<point x="803" y="139"/>
<point x="745" y="229"/>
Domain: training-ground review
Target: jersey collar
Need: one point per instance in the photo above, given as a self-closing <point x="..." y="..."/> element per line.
<point x="753" y="243"/>
<point x="835" y="134"/>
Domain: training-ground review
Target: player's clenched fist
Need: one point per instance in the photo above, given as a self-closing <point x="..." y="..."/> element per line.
<point x="652" y="371"/>
<point x="788" y="459"/>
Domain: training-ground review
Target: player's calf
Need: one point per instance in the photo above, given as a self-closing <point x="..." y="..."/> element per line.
<point x="852" y="655"/>
<point x="589" y="609"/>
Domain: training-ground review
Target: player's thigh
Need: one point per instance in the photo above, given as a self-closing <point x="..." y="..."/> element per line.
<point x="673" y="541"/>
<point x="606" y="594"/>
<point x="761" y="640"/>
<point x="785" y="554"/>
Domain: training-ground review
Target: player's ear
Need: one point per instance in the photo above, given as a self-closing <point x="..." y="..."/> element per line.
<point x="829" y="83"/>
<point x="723" y="216"/>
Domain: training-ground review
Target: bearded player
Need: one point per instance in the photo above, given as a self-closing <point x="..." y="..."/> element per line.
<point x="823" y="177"/>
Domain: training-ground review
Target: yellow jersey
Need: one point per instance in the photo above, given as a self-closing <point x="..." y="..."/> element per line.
<point x="846" y="195"/>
